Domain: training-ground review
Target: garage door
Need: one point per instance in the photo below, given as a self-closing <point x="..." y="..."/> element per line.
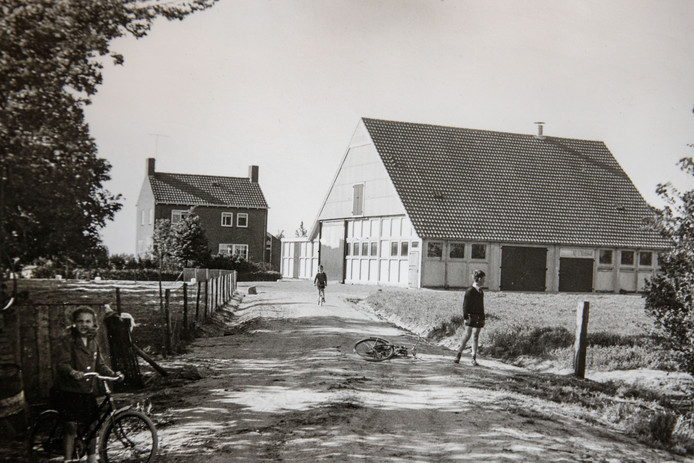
<point x="523" y="269"/>
<point x="576" y="275"/>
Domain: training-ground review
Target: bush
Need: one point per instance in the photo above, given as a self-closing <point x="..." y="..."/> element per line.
<point x="655" y="427"/>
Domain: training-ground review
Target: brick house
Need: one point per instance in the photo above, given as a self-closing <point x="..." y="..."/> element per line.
<point x="422" y="205"/>
<point x="232" y="210"/>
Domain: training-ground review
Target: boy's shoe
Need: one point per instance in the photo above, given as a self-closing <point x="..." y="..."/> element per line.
<point x="457" y="359"/>
<point x="474" y="363"/>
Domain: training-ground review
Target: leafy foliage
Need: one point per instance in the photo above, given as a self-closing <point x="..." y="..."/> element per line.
<point x="669" y="293"/>
<point x="181" y="244"/>
<point x="52" y="200"/>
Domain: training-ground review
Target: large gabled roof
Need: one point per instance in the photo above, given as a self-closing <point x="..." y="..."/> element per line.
<point x="468" y="184"/>
<point x="206" y="190"/>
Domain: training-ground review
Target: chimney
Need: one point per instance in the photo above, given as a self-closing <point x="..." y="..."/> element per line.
<point x="540" y="126"/>
<point x="150" y="166"/>
<point x="253" y="173"/>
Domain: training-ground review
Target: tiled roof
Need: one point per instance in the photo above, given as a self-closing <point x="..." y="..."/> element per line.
<point x="206" y="190"/>
<point x="481" y="185"/>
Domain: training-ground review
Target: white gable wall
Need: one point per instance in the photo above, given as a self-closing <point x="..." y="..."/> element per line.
<point x="362" y="165"/>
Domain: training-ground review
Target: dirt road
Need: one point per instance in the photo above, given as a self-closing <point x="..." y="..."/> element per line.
<point x="287" y="387"/>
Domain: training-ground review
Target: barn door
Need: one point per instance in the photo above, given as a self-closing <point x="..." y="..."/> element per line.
<point x="575" y="275"/>
<point x="523" y="268"/>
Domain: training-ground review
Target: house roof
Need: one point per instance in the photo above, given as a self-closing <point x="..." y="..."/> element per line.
<point x="206" y="190"/>
<point x="466" y="184"/>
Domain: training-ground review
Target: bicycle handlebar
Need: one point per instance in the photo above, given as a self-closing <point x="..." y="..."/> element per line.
<point x="103" y="378"/>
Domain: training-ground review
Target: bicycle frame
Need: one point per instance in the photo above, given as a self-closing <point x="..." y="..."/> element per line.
<point x="105" y="411"/>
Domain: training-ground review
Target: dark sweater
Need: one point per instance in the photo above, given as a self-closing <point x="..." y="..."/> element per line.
<point x="473" y="303"/>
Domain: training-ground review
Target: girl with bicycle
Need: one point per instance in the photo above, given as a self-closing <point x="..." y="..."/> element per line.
<point x="73" y="394"/>
<point x="473" y="315"/>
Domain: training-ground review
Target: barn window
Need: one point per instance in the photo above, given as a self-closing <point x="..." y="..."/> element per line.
<point x="394" y="249"/>
<point x="627" y="258"/>
<point x="646" y="259"/>
<point x="456" y="251"/>
<point x="365" y="248"/>
<point x="605" y="257"/>
<point x="434" y="249"/>
<point x="404" y="248"/>
<point x="355" y="249"/>
<point x="374" y="248"/>
<point x="479" y="251"/>
<point x="358" y="199"/>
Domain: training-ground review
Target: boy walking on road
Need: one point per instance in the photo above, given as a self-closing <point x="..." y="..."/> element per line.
<point x="321" y="281"/>
<point x="473" y="315"/>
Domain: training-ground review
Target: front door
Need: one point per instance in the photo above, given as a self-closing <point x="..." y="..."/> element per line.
<point x="413" y="278"/>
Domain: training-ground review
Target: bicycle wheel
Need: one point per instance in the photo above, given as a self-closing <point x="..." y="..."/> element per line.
<point x="46" y="437"/>
<point x="374" y="349"/>
<point x="129" y="437"/>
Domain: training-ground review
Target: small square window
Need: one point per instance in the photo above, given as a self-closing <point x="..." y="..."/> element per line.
<point x="178" y="215"/>
<point x="242" y="220"/>
<point x="365" y="248"/>
<point x="456" y="251"/>
<point x="627" y="258"/>
<point x="415" y="245"/>
<point x="434" y="249"/>
<point x="227" y="219"/>
<point x="355" y="249"/>
<point x="394" y="249"/>
<point x="348" y="249"/>
<point x="374" y="248"/>
<point x="605" y="257"/>
<point x="479" y="251"/>
<point x="404" y="248"/>
<point x="646" y="259"/>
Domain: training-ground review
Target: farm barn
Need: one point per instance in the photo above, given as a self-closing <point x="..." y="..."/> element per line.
<point x="232" y="210"/>
<point x="422" y="205"/>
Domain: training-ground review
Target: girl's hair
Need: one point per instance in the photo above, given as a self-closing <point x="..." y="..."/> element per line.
<point x="477" y="275"/>
<point x="83" y="309"/>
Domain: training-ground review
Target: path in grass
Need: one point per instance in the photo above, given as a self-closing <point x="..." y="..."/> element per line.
<point x="287" y="387"/>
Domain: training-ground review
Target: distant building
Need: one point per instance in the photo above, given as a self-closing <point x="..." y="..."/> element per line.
<point x="232" y="210"/>
<point x="421" y="205"/>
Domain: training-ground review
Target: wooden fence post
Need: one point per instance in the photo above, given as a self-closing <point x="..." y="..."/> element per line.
<point x="185" y="308"/>
<point x="580" y="342"/>
<point x="167" y="314"/>
<point x="197" y="303"/>
<point x="119" y="309"/>
<point x="207" y="295"/>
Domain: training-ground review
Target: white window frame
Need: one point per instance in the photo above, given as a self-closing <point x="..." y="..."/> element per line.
<point x="225" y="248"/>
<point x="227" y="215"/>
<point x="240" y="250"/>
<point x="142" y="217"/>
<point x="239" y="216"/>
<point x="151" y="216"/>
<point x="177" y="215"/>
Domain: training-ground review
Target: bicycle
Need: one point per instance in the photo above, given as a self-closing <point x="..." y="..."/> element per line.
<point x="321" y="295"/>
<point x="124" y="435"/>
<point x="375" y="349"/>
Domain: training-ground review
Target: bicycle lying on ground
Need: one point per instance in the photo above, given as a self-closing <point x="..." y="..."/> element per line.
<point x="375" y="349"/>
<point x="124" y="435"/>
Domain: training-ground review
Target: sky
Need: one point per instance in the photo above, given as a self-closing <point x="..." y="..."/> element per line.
<point x="283" y="85"/>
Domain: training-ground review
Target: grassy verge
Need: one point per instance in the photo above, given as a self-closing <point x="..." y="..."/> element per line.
<point x="522" y="326"/>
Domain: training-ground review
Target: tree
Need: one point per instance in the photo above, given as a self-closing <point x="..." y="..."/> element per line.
<point x="669" y="294"/>
<point x="301" y="231"/>
<point x="52" y="199"/>
<point x="189" y="242"/>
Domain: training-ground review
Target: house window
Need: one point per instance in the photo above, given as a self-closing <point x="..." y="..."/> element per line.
<point x="605" y="257"/>
<point x="227" y="219"/>
<point x="151" y="216"/>
<point x="434" y="250"/>
<point x="479" y="251"/>
<point x="646" y="259"/>
<point x="142" y="218"/>
<point x="240" y="250"/>
<point x="178" y="215"/>
<point x="242" y="220"/>
<point x="358" y="199"/>
<point x="627" y="258"/>
<point x="456" y="251"/>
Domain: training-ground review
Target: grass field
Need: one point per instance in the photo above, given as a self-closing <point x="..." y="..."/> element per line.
<point x="533" y="327"/>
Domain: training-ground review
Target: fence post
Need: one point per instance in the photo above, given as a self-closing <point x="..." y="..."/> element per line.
<point x="580" y="341"/>
<point x="167" y="313"/>
<point x="185" y="308"/>
<point x="207" y="295"/>
<point x="197" y="302"/>
<point x="118" y="306"/>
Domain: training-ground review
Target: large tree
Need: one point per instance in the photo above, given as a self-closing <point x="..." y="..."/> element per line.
<point x="52" y="199"/>
<point x="670" y="293"/>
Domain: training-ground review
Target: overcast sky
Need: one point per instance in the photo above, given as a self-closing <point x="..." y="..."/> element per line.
<point x="282" y="85"/>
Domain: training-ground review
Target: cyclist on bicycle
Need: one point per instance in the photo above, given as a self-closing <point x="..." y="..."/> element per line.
<point x="73" y="394"/>
<point x="321" y="281"/>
